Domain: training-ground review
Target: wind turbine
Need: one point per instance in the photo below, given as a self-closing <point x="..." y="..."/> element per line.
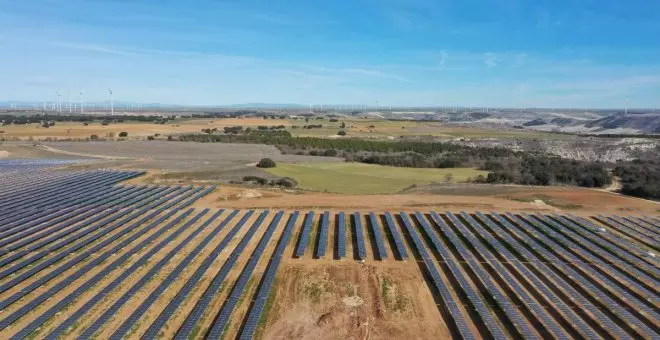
<point x="82" y="106"/>
<point x="112" y="103"/>
<point x="625" y="113"/>
<point x="59" y="106"/>
<point x="70" y="108"/>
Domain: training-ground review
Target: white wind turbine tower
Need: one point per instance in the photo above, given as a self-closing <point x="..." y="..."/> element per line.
<point x="112" y="103"/>
<point x="70" y="107"/>
<point x="82" y="106"/>
<point x="59" y="102"/>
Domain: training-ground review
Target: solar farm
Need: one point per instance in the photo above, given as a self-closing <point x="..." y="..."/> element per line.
<point x="84" y="256"/>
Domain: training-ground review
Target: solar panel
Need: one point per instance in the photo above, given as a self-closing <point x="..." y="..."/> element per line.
<point x="359" y="236"/>
<point x="378" y="236"/>
<point x="323" y="235"/>
<point x="579" y="280"/>
<point x="79" y="313"/>
<point x="169" y="201"/>
<point x="398" y="241"/>
<point x="474" y="297"/>
<point x="193" y="318"/>
<point x="304" y="235"/>
<point x="341" y="235"/>
<point x="539" y="311"/>
<point x="223" y="317"/>
<point x="254" y="314"/>
<point x="448" y="299"/>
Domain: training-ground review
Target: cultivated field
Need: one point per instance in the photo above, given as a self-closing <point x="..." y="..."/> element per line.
<point x="356" y="178"/>
<point x="83" y="256"/>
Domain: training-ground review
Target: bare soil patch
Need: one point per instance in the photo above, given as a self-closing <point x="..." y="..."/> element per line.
<point x="384" y="303"/>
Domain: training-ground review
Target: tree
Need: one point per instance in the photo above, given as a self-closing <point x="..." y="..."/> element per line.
<point x="266" y="163"/>
<point x="341" y="133"/>
<point x="94" y="137"/>
<point x="123" y="134"/>
<point x="151" y="137"/>
<point x="343" y="125"/>
<point x="449" y="178"/>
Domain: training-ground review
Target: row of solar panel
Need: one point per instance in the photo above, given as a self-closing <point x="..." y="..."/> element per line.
<point x="340" y="236"/>
<point x="525" y="220"/>
<point x="180" y="201"/>
<point x="65" y="194"/>
<point x="71" y="185"/>
<point x="584" y="281"/>
<point x="29" y="232"/>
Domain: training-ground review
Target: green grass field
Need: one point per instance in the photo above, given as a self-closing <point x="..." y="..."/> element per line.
<point x="358" y="178"/>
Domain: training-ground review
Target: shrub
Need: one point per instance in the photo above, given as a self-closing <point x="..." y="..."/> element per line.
<point x="123" y="134"/>
<point x="94" y="137"/>
<point x="151" y="137"/>
<point x="341" y="133"/>
<point x="266" y="163"/>
<point x="330" y="153"/>
<point x="287" y="182"/>
<point x="255" y="179"/>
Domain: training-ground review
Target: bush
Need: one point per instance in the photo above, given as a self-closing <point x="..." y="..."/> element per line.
<point x="341" y="133"/>
<point x="330" y="153"/>
<point x="255" y="179"/>
<point x="94" y="137"/>
<point x="266" y="163"/>
<point x="123" y="134"/>
<point x="151" y="137"/>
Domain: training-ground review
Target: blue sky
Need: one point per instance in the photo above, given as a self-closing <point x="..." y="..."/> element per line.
<point x="550" y="53"/>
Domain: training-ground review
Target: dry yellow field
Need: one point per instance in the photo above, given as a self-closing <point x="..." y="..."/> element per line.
<point x="355" y="127"/>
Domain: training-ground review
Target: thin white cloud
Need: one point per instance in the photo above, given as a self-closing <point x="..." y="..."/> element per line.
<point x="443" y="59"/>
<point x="490" y="60"/>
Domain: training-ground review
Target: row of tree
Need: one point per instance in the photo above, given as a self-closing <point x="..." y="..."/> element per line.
<point x="640" y="178"/>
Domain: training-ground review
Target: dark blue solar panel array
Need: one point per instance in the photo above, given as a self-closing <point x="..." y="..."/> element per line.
<point x="190" y="284"/>
<point x="644" y="224"/>
<point x="507" y="305"/>
<point x="398" y="241"/>
<point x="114" y="308"/>
<point x="323" y="235"/>
<point x="222" y="318"/>
<point x="138" y="312"/>
<point x="304" y="235"/>
<point x="555" y="279"/>
<point x="606" y="281"/>
<point x="618" y="268"/>
<point x="450" y="303"/>
<point x="378" y="236"/>
<point x="252" y="319"/>
<point x="193" y="318"/>
<point x="359" y="236"/>
<point x="476" y="300"/>
<point x="79" y="313"/>
<point x="615" y="245"/>
<point x="596" y="292"/>
<point x="41" y="319"/>
<point x="629" y="232"/>
<point x="341" y="235"/>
